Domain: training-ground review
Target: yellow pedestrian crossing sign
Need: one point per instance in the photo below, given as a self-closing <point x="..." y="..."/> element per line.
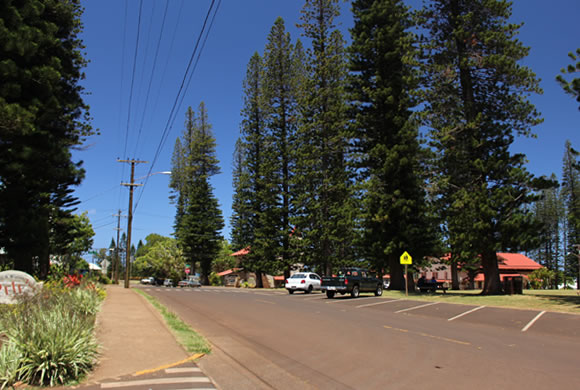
<point x="406" y="258"/>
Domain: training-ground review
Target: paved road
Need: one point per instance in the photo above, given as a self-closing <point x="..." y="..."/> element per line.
<point x="272" y="340"/>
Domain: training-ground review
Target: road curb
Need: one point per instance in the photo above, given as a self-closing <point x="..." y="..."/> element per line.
<point x="166" y="366"/>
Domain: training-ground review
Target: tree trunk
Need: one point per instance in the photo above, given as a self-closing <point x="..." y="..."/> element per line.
<point x="454" y="275"/>
<point x="491" y="285"/>
<point x="259" y="283"/>
<point x="397" y="274"/>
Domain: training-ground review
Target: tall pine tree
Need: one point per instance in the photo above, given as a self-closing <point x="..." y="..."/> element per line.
<point x="382" y="82"/>
<point x="198" y="219"/>
<point x="42" y="116"/>
<point x="283" y="75"/>
<point x="254" y="189"/>
<point x="476" y="103"/>
<point x="571" y="197"/>
<point x="323" y="185"/>
<point x="549" y="210"/>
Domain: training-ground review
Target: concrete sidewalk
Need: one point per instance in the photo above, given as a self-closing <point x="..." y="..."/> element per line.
<point x="133" y="337"/>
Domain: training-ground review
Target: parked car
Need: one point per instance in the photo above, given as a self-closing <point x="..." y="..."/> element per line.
<point x="149" y="280"/>
<point x="352" y="280"/>
<point x="303" y="281"/>
<point x="168" y="283"/>
<point x="189" y="283"/>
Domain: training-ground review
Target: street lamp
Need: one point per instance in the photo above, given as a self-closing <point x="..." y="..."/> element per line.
<point x="130" y="215"/>
<point x="154" y="173"/>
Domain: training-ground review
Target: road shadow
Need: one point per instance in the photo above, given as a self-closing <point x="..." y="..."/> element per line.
<point x="560" y="300"/>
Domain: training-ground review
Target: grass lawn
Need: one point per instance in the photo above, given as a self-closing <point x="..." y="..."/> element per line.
<point x="185" y="335"/>
<point x="550" y="300"/>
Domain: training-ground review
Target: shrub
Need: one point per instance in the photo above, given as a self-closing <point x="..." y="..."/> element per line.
<point x="49" y="338"/>
<point x="55" y="348"/>
<point x="214" y="279"/>
<point x="10" y="358"/>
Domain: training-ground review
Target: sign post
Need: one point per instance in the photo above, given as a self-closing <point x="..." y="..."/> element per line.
<point x="406" y="259"/>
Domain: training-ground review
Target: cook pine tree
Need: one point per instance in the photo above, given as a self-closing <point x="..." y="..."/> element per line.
<point x="476" y="103"/>
<point x="383" y="78"/>
<point x="42" y="117"/>
<point x="198" y="221"/>
<point x="324" y="204"/>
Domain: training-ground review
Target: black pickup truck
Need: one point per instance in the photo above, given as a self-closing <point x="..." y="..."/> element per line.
<point x="352" y="281"/>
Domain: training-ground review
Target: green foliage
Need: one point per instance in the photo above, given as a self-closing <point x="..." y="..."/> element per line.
<point x="160" y="257"/>
<point x="214" y="279"/>
<point x="191" y="341"/>
<point x="382" y="85"/>
<point x="198" y="219"/>
<point x="542" y="278"/>
<point x="49" y="338"/>
<point x="571" y="87"/>
<point x="224" y="261"/>
<point x="550" y="210"/>
<point x="10" y="358"/>
<point x="571" y="197"/>
<point x="476" y="102"/>
<point x="42" y="116"/>
<point x="324" y="207"/>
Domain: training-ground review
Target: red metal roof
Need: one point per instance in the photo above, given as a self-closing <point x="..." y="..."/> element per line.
<point x="516" y="261"/>
<point x="228" y="271"/>
<point x="241" y="252"/>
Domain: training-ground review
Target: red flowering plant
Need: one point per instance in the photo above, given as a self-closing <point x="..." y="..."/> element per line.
<point x="71" y="281"/>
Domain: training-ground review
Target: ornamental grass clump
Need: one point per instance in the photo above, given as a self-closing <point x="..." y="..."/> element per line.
<point x="48" y="339"/>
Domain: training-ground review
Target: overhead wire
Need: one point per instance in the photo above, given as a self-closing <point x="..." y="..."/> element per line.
<point x="156" y="56"/>
<point x="133" y="77"/>
<point x="122" y="84"/>
<point x="182" y="89"/>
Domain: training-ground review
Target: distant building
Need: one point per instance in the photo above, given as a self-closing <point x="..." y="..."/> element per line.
<point x="509" y="264"/>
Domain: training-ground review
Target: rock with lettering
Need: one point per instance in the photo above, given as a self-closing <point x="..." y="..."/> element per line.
<point x="16" y="284"/>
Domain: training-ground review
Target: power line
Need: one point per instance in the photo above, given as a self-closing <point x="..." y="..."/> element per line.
<point x="152" y="73"/>
<point x="183" y="87"/>
<point x="133" y="77"/>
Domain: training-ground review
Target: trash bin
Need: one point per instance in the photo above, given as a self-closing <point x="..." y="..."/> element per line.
<point x="518" y="285"/>
<point x="508" y="285"/>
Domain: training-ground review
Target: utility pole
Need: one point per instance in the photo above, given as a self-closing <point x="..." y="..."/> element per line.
<point x="131" y="185"/>
<point x="116" y="259"/>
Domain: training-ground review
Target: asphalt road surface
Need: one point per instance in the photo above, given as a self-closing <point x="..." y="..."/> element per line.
<point x="273" y="340"/>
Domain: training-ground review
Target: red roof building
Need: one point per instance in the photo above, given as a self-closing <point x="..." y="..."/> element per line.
<point x="509" y="264"/>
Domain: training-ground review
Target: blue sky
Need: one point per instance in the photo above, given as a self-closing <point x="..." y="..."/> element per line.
<point x="132" y="124"/>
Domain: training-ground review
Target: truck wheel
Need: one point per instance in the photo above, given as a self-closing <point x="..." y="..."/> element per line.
<point x="309" y="290"/>
<point x="290" y="291"/>
<point x="355" y="292"/>
<point x="379" y="291"/>
<point x="329" y="294"/>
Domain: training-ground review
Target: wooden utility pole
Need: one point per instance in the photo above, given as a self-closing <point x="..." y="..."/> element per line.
<point x="131" y="185"/>
<point x="116" y="259"/>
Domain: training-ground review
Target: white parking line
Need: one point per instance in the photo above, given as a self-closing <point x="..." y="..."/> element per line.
<point x="417" y="307"/>
<point x="466" y="313"/>
<point x="376" y="303"/>
<point x="313" y="298"/>
<point x="533" y="321"/>
<point x="339" y="300"/>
